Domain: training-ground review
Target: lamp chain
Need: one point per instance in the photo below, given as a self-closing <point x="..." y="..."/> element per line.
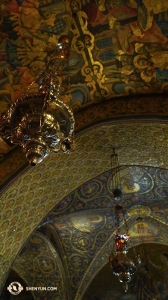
<point x="117" y="220"/>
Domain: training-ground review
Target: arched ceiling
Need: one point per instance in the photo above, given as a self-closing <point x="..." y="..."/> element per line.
<point x="118" y="67"/>
<point x="32" y="196"/>
<point x="79" y="232"/>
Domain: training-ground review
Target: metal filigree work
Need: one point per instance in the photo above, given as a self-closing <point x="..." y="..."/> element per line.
<point x="123" y="266"/>
<point x="41" y="122"/>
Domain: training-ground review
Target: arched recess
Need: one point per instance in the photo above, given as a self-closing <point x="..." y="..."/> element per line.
<point x="40" y="265"/>
<point x="52" y="236"/>
<point x="145" y="284"/>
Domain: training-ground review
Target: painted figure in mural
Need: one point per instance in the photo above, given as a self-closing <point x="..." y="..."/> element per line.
<point x="124" y="18"/>
<point x="158" y="59"/>
<point x="87" y="223"/>
<point x="152" y="60"/>
<point x="143" y="11"/>
<point x="28" y="35"/>
<point x="25" y="76"/>
<point x="116" y="9"/>
<point x="131" y="33"/>
<point x="30" y="21"/>
<point x="75" y="5"/>
<point x="147" y="9"/>
<point x="30" y="30"/>
<point x="132" y="180"/>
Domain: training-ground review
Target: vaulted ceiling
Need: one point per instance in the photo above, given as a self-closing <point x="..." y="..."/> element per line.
<point x="57" y="219"/>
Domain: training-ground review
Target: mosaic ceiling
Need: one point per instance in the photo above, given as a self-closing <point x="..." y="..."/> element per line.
<point x="76" y="237"/>
<point x="118" y="69"/>
<point x="26" y="202"/>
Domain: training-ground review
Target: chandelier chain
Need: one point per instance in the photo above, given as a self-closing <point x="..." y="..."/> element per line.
<point x="122" y="265"/>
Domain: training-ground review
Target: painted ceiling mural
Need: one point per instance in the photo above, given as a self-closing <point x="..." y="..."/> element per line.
<point x="84" y="224"/>
<point x="118" y="48"/>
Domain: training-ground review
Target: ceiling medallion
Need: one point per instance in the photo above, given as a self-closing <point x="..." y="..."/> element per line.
<point x="42" y="122"/>
<point x="122" y="266"/>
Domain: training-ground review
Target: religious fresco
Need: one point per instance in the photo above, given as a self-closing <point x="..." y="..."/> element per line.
<point x="134" y="179"/>
<point x="140" y="186"/>
<point x="86" y="223"/>
<point x="143" y="229"/>
<point x="118" y="48"/>
<point x="131" y="44"/>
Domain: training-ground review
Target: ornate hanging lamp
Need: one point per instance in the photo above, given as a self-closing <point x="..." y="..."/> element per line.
<point x="122" y="266"/>
<point x="41" y="122"/>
